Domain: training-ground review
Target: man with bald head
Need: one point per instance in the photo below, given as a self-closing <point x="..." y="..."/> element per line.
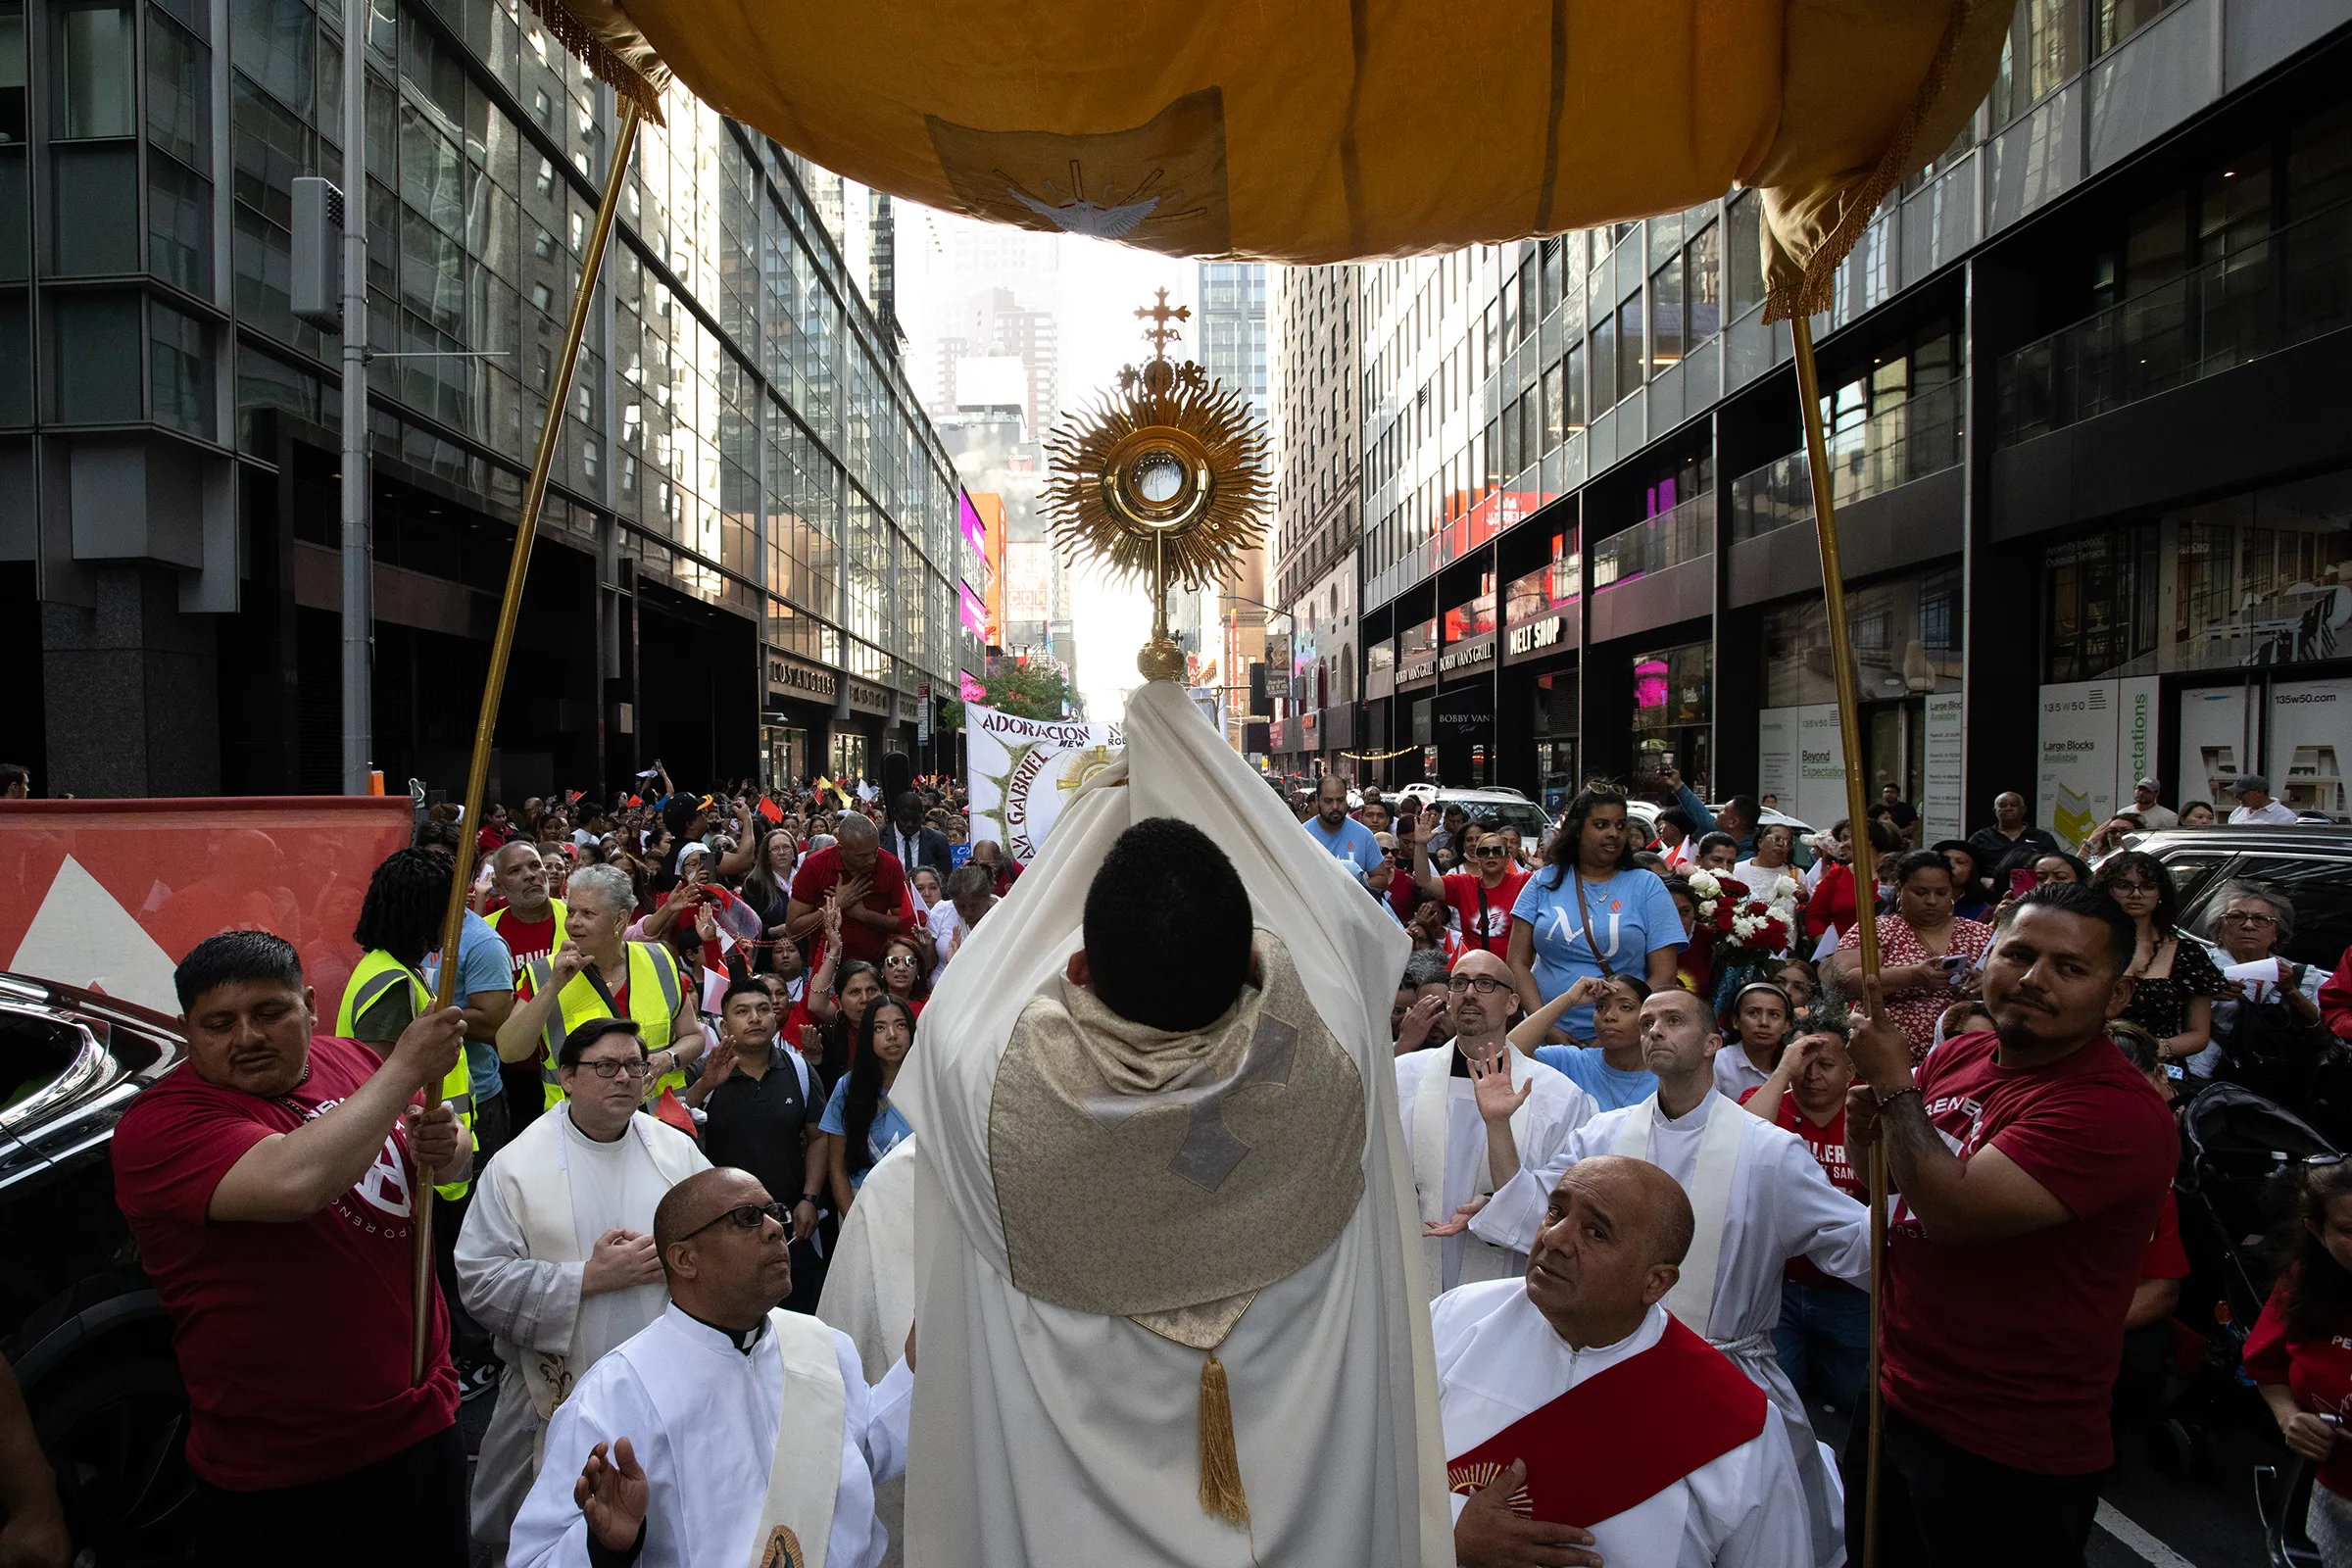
<point x="1475" y="1110"/>
<point x="1583" y="1424"/>
<point x="728" y="1432"/>
<point x="870" y="883"/>
<point x="1758" y="1198"/>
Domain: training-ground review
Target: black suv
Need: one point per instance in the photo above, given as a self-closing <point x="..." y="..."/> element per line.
<point x="79" y="1321"/>
<point x="2312" y="865"/>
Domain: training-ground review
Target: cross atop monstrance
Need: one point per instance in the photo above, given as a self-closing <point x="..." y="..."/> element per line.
<point x="1159" y="334"/>
<point x="1165" y="480"/>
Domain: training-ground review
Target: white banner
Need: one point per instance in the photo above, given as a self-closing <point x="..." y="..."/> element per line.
<point x="2075" y="789"/>
<point x="1820" y="766"/>
<point x="1020" y="771"/>
<point x="1940" y="805"/>
<point x="2311" y="741"/>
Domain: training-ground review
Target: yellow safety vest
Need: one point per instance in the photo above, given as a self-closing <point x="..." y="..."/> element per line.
<point x="655" y="991"/>
<point x="378" y="973"/>
<point x="497" y="919"/>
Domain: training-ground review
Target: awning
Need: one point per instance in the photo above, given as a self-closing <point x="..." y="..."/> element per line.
<point x="1285" y="131"/>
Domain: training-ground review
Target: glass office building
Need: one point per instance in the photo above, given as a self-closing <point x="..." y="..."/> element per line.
<point x="2094" y="523"/>
<point x="749" y="550"/>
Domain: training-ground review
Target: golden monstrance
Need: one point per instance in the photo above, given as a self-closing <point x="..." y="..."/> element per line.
<point x="1165" y="480"/>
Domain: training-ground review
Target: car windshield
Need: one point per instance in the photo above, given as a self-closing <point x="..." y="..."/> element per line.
<point x="1525" y="815"/>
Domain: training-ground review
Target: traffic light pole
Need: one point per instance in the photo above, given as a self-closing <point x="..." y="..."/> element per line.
<point x="359" y="720"/>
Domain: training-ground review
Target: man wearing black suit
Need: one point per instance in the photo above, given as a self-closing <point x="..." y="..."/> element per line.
<point x="914" y="844"/>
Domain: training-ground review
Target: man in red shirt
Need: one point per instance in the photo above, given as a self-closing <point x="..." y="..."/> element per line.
<point x="2336" y="1000"/>
<point x="2031" y="1164"/>
<point x="1481" y="898"/>
<point x="268" y="1185"/>
<point x="1824" y="1332"/>
<point x="874" y="901"/>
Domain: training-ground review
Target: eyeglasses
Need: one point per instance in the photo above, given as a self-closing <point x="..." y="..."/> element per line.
<point x="745" y="1217"/>
<point x="1486" y="985"/>
<point x="2241" y="917"/>
<point x="2133" y="888"/>
<point x="618" y="1066"/>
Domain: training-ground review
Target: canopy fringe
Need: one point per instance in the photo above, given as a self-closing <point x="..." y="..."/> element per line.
<point x="1817" y="289"/>
<point x="604" y="62"/>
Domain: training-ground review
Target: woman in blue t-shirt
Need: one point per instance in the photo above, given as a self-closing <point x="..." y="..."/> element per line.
<point x="863" y="1124"/>
<point x="1592" y="911"/>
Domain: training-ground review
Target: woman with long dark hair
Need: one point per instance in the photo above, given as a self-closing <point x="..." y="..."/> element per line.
<point x="2298" y="1357"/>
<point x="2174" y="979"/>
<point x="1591" y="910"/>
<point x="860" y="1122"/>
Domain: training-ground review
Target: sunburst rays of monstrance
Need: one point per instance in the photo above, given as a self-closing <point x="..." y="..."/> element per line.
<point x="1165" y="480"/>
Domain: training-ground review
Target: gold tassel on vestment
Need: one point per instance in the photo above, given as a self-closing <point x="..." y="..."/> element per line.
<point x="1220" y="1463"/>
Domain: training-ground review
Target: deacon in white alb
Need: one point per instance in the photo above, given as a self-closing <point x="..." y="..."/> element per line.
<point x="729" y="1433"/>
<point x="1580" y="1417"/>
<point x="1165" y="1238"/>
<point x="556" y="1255"/>
<point x="1760" y="1199"/>
<point x="1477" y="1109"/>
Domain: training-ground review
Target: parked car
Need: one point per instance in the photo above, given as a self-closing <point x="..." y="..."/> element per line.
<point x="2312" y="865"/>
<point x="79" y="1321"/>
<point x="1506" y="805"/>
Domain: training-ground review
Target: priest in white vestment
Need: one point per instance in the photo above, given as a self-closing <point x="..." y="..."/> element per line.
<point x="556" y="1255"/>
<point x="1477" y="1109"/>
<point x="1167" y="1277"/>
<point x="1579" y="1413"/>
<point x="729" y="1434"/>
<point x="869" y="1295"/>
<point x="1760" y="1199"/>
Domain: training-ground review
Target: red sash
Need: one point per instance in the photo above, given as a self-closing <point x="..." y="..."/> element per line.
<point x="1623" y="1436"/>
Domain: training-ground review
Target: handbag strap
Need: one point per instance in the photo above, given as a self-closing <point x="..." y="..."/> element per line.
<point x="1584" y="912"/>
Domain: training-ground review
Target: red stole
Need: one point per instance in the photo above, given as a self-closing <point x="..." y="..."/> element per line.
<point x="1622" y="1435"/>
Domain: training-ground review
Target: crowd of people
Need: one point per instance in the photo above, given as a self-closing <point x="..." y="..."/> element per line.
<point x="2006" y="966"/>
<point x="672" y="1075"/>
<point x="671" y="987"/>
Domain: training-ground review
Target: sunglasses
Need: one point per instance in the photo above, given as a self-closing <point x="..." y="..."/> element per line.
<point x="745" y="1217"/>
<point x="1492" y="849"/>
<point x="898" y="960"/>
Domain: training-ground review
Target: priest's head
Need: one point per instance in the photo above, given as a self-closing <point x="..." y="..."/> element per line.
<point x="1481" y="1000"/>
<point x="1611" y="1244"/>
<point x="725" y="1246"/>
<point x="1678" y="1037"/>
<point x="602" y="1067"/>
<point x="1167" y="929"/>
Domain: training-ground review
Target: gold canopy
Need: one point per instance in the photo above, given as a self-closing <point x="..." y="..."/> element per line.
<point x="1312" y="130"/>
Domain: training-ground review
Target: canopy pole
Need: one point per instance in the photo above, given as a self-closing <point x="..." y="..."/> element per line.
<point x="501" y="647"/>
<point x="1857" y="814"/>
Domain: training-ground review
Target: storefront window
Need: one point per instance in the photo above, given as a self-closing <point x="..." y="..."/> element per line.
<point x="2260" y="579"/>
<point x="849" y="755"/>
<point x="1907" y="638"/>
<point x="1550" y="586"/>
<point x="1473" y="618"/>
<point x="1673" y="709"/>
<point x="1555" y="721"/>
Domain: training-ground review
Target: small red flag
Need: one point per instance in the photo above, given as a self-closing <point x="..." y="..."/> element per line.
<point x="636" y="799"/>
<point x="770" y="809"/>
